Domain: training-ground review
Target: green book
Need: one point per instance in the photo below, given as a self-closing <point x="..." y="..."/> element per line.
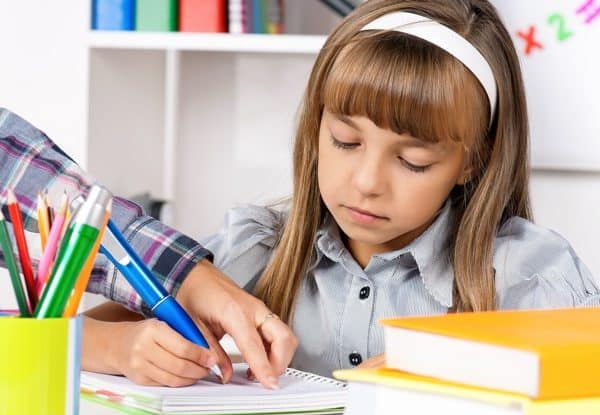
<point x="156" y="15"/>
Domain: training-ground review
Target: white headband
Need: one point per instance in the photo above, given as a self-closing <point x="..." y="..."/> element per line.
<point x="445" y="38"/>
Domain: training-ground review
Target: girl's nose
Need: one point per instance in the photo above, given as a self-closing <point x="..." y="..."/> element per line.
<point x="369" y="176"/>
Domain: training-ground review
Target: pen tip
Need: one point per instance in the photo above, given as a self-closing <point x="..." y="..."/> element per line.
<point x="215" y="369"/>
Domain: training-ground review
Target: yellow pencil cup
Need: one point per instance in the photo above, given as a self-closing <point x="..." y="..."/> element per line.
<point x="39" y="366"/>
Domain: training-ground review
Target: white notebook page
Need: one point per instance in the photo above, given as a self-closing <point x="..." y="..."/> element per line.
<point x="299" y="391"/>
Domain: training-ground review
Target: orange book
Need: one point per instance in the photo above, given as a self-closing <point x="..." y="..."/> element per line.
<point x="202" y="16"/>
<point x="544" y="354"/>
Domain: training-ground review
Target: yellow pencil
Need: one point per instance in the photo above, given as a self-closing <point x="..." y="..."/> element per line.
<point x="43" y="220"/>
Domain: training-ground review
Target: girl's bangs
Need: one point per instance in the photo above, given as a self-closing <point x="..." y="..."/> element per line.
<point x="409" y="86"/>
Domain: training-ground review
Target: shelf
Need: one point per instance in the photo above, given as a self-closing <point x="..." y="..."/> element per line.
<point x="216" y="42"/>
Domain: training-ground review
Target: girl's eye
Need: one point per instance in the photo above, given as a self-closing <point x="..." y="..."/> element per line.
<point x="341" y="144"/>
<point x="413" y="167"/>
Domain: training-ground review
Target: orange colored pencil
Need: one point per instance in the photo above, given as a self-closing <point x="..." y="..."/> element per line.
<point x="50" y="210"/>
<point x="84" y="276"/>
<point x="43" y="220"/>
<point x="24" y="259"/>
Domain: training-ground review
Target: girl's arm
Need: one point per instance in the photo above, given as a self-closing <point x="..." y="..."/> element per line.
<point x="111" y="311"/>
<point x="373" y="362"/>
<point x="146" y="351"/>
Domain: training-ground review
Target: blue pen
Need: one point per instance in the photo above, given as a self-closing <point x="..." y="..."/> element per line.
<point x="162" y="304"/>
<point x="116" y="248"/>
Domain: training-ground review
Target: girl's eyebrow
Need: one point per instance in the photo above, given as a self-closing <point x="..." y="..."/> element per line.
<point x="410" y="141"/>
<point x="347" y="120"/>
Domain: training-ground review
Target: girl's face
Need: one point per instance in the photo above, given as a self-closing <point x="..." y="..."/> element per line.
<point x="382" y="188"/>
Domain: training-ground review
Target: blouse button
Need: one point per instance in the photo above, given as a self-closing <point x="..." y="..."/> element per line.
<point x="355" y="359"/>
<point x="364" y="293"/>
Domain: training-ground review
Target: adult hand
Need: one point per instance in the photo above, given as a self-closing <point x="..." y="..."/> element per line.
<point x="214" y="300"/>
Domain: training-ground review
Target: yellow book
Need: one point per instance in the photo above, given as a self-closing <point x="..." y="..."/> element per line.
<point x="391" y="392"/>
<point x="544" y="354"/>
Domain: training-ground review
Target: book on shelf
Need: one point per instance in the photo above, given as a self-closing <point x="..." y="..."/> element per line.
<point x="341" y="7"/>
<point x="255" y="16"/>
<point x="299" y="392"/>
<point x="391" y="392"/>
<point x="543" y="354"/>
<point x="203" y="16"/>
<point x="113" y="14"/>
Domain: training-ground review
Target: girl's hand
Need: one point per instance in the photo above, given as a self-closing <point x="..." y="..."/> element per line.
<point x="148" y="352"/>
<point x="266" y="343"/>
<point x="373" y="362"/>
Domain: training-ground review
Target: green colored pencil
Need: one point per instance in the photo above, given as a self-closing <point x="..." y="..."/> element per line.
<point x="15" y="277"/>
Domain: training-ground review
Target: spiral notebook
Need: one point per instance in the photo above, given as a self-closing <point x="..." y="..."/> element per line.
<point x="299" y="392"/>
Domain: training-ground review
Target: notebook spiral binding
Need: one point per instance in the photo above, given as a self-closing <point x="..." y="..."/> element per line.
<point x="311" y="377"/>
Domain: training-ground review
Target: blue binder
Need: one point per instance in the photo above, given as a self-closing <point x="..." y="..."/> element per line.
<point x="113" y="15"/>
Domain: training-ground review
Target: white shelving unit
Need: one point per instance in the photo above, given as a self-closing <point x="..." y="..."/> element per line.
<point x="202" y="120"/>
<point x="215" y="42"/>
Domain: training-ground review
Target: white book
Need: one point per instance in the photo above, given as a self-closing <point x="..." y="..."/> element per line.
<point x="236" y="16"/>
<point x="298" y="392"/>
<point x="372" y="399"/>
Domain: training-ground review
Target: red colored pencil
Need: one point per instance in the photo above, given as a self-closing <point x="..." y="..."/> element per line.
<point x="24" y="259"/>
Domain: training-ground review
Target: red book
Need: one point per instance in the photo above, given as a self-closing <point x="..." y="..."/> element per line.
<point x="203" y="15"/>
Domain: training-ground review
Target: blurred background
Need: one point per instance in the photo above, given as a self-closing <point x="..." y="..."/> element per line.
<point x="190" y="122"/>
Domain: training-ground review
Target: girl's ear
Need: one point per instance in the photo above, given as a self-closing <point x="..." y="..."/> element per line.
<point x="468" y="170"/>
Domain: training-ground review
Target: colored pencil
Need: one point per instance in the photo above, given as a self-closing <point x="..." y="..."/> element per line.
<point x="53" y="240"/>
<point x="15" y="277"/>
<point x="24" y="259"/>
<point x="43" y="220"/>
<point x="81" y="236"/>
<point x="50" y="210"/>
<point x="86" y="271"/>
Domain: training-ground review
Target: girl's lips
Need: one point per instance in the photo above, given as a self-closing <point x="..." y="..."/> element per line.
<point x="363" y="217"/>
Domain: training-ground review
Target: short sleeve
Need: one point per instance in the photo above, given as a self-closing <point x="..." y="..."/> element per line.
<point x="243" y="247"/>
<point x="537" y="268"/>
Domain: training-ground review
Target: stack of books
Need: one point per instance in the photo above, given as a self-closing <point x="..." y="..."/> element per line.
<point x="217" y="16"/>
<point x="533" y="362"/>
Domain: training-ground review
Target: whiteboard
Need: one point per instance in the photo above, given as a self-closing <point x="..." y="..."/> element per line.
<point x="562" y="78"/>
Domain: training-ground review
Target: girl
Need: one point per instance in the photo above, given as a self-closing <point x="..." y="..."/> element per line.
<point x="410" y="187"/>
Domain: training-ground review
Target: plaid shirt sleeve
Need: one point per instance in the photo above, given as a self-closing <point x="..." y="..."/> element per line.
<point x="30" y="162"/>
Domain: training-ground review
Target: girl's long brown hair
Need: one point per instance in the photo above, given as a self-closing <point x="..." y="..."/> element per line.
<point x="410" y="86"/>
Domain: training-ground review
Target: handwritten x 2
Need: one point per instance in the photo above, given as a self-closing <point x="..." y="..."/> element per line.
<point x="589" y="10"/>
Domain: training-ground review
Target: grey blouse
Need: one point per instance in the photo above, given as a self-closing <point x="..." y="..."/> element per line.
<point x="339" y="303"/>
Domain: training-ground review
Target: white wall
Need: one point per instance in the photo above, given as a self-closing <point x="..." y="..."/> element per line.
<point x="43" y="67"/>
<point x="43" y="77"/>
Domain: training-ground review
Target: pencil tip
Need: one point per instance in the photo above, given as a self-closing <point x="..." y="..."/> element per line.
<point x="11" y="196"/>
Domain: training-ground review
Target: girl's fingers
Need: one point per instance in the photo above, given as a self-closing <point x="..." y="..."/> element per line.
<point x="251" y="346"/>
<point x="223" y="360"/>
<point x="374" y="362"/>
<point x="156" y="376"/>
<point x="179" y="346"/>
<point x="281" y="342"/>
